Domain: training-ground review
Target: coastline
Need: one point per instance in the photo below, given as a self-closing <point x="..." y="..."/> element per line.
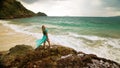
<point x="10" y="38"/>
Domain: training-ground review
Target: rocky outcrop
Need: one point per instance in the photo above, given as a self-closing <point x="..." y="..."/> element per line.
<point x="22" y="56"/>
<point x="15" y="54"/>
<point x="41" y="14"/>
<point x="10" y="9"/>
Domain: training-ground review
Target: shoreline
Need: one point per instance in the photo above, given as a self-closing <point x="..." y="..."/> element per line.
<point x="10" y="38"/>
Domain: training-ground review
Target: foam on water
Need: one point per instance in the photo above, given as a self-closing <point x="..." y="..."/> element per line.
<point x="85" y="36"/>
<point x="103" y="47"/>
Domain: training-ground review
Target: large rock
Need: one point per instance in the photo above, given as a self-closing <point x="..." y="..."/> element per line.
<point x="14" y="56"/>
<point x="13" y="9"/>
<point x="22" y="56"/>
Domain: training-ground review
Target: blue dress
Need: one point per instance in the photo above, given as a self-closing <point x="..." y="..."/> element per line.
<point x="40" y="41"/>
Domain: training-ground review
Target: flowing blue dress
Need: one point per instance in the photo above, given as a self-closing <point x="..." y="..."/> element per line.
<point x="40" y="41"/>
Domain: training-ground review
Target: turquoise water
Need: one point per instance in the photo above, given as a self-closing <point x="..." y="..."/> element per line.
<point x="97" y="35"/>
<point x="99" y="26"/>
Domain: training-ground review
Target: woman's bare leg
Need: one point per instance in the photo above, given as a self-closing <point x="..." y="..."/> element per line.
<point x="48" y="43"/>
<point x="44" y="44"/>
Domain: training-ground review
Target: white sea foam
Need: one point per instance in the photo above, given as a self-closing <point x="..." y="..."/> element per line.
<point x="19" y="29"/>
<point x="3" y="21"/>
<point x="85" y="36"/>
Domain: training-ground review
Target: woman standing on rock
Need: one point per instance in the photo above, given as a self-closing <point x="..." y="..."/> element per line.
<point x="44" y="38"/>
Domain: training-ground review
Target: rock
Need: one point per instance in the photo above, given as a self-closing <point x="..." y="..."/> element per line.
<point x="70" y="61"/>
<point x="41" y="14"/>
<point x="22" y="56"/>
<point x="20" y="49"/>
<point x="14" y="56"/>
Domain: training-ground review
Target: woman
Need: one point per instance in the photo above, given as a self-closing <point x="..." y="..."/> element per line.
<point x="44" y="38"/>
<point x="45" y="33"/>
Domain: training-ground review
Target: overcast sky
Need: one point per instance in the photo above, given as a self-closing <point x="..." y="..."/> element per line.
<point x="74" y="7"/>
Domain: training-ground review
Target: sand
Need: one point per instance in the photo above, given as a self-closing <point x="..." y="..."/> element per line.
<point x="9" y="38"/>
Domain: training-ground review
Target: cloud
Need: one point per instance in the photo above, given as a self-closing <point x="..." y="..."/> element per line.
<point x="74" y="7"/>
<point x="33" y="1"/>
<point x="29" y="1"/>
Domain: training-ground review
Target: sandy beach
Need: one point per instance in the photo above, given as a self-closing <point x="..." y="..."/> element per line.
<point x="9" y="38"/>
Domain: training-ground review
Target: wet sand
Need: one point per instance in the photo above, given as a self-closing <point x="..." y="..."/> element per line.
<point x="9" y="38"/>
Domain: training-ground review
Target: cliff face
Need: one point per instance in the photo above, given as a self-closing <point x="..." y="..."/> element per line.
<point x="13" y="9"/>
<point x="22" y="56"/>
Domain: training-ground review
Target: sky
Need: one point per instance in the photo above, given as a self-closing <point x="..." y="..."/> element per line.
<point x="74" y="7"/>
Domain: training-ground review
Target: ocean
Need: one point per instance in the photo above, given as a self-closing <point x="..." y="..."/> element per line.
<point x="92" y="35"/>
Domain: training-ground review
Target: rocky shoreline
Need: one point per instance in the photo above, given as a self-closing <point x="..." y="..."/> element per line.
<point x="23" y="56"/>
